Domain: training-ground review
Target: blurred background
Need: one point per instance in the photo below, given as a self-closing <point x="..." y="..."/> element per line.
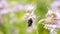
<point x="12" y="16"/>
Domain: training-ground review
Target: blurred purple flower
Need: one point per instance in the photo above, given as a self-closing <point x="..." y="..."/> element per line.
<point x="18" y="7"/>
<point x="55" y="4"/>
<point x="3" y="4"/>
<point x="56" y="9"/>
<point x="4" y="11"/>
<point x="29" y="7"/>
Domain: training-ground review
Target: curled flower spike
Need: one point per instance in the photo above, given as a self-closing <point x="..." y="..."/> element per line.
<point x="52" y="21"/>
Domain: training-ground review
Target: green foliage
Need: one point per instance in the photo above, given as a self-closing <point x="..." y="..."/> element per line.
<point x="58" y="31"/>
<point x="23" y="27"/>
<point x="41" y="29"/>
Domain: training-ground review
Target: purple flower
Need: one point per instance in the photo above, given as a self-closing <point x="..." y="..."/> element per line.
<point x="3" y="4"/>
<point x="4" y="11"/>
<point x="18" y="7"/>
<point x="29" y="7"/>
<point x="55" y="4"/>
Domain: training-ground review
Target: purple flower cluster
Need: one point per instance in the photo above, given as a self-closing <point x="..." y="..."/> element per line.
<point x="15" y="8"/>
<point x="55" y="5"/>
